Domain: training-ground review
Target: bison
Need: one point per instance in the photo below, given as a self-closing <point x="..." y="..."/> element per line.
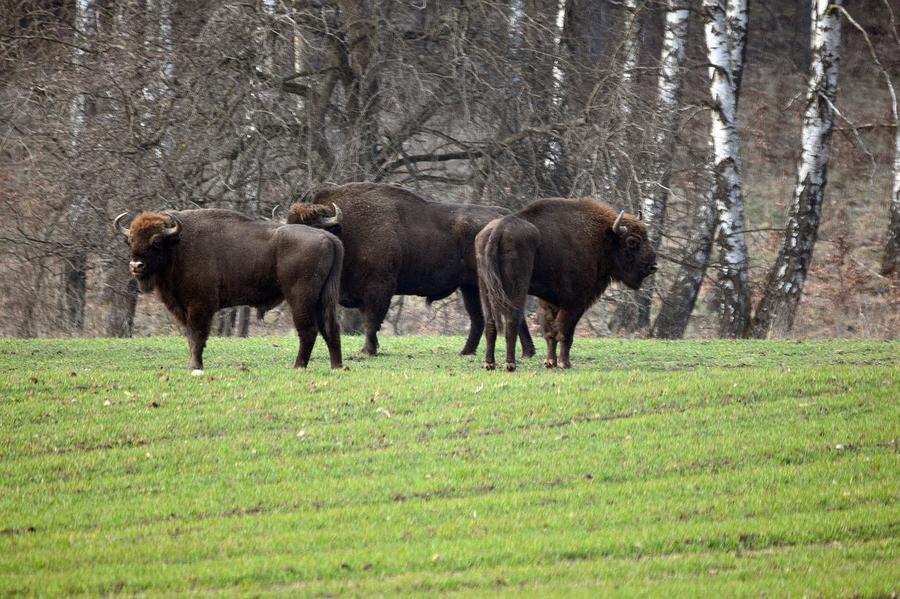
<point x="198" y="261"/>
<point x="565" y="252"/>
<point x="398" y="243"/>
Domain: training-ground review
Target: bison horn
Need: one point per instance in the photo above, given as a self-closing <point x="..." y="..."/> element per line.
<point x="640" y="215"/>
<point x="275" y="211"/>
<point x="174" y="230"/>
<point x="333" y="220"/>
<point x="120" y="228"/>
<point x="615" y="225"/>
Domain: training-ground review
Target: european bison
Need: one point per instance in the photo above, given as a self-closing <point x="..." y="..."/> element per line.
<point x="198" y="261"/>
<point x="565" y="252"/>
<point x="397" y="243"/>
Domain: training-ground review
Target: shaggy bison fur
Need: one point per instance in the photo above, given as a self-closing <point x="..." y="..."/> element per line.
<point x="565" y="252"/>
<point x="199" y="261"/>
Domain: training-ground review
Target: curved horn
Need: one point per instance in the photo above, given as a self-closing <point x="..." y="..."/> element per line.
<point x="332" y="220"/>
<point x="169" y="231"/>
<point x="120" y="228"/>
<point x="275" y="209"/>
<point x="615" y="225"/>
<point x="640" y="215"/>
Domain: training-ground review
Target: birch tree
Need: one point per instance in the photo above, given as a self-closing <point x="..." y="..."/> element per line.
<point x="890" y="263"/>
<point x="729" y="197"/>
<point x="655" y="180"/>
<point x="75" y="268"/>
<point x="784" y="286"/>
<point x="679" y="302"/>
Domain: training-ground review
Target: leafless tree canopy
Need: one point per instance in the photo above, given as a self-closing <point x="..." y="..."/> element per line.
<point x="109" y="106"/>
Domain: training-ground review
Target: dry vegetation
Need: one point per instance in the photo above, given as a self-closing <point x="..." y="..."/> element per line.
<point x="265" y="105"/>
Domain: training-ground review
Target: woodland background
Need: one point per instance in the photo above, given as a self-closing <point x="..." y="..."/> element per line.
<point x="115" y="105"/>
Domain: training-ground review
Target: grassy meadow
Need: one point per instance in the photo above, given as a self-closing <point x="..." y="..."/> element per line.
<point x="652" y="468"/>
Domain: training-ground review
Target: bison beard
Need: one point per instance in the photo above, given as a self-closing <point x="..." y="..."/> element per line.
<point x="199" y="261"/>
<point x="397" y="243"/>
<point x="565" y="252"/>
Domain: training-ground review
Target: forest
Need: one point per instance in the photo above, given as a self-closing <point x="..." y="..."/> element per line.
<point x="759" y="142"/>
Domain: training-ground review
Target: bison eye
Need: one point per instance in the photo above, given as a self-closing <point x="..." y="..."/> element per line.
<point x="632" y="243"/>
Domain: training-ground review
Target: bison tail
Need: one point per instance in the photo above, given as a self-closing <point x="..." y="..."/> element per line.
<point x="490" y="277"/>
<point x="331" y="290"/>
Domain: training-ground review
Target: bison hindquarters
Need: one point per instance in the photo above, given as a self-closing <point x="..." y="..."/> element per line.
<point x="310" y="283"/>
<point x="505" y="251"/>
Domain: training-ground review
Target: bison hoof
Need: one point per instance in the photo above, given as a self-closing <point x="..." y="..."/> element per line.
<point x="510" y="367"/>
<point x="528" y="353"/>
<point x="490" y="365"/>
<point x="566" y="365"/>
<point x="197" y="372"/>
<point x="549" y="363"/>
<point x="467" y="352"/>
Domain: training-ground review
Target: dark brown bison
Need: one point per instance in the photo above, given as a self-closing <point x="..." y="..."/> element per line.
<point x="198" y="261"/>
<point x="565" y="252"/>
<point x="397" y="243"/>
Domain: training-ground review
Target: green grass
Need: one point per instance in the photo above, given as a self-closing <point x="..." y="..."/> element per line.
<point x="652" y="468"/>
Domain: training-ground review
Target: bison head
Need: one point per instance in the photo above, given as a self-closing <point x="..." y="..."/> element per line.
<point x="152" y="236"/>
<point x="633" y="256"/>
<point x="315" y="215"/>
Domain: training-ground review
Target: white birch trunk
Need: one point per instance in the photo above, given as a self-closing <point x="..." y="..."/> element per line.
<point x="891" y="262"/>
<point x="736" y="19"/>
<point x="776" y="311"/>
<point x="734" y="278"/>
<point x="75" y="268"/>
<point x="655" y="192"/>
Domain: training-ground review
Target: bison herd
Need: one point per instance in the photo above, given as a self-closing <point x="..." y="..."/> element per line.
<point x="359" y="244"/>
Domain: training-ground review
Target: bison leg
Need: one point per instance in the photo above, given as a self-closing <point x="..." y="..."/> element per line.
<point x="525" y="339"/>
<point x="306" y="329"/>
<point x="548" y="330"/>
<point x="472" y="303"/>
<point x="331" y="332"/>
<point x="198" y="323"/>
<point x="373" y="313"/>
<point x="565" y="326"/>
<point x="490" y="342"/>
<point x="513" y="319"/>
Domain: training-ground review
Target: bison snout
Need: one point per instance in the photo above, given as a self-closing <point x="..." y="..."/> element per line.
<point x="137" y="267"/>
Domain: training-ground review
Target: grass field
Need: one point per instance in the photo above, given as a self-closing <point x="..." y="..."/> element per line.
<point x="652" y="468"/>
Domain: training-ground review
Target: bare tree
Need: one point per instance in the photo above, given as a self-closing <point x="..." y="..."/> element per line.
<point x="784" y="287"/>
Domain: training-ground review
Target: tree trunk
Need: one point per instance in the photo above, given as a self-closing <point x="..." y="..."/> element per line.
<point x="734" y="276"/>
<point x="784" y="286"/>
<point x="632" y="313"/>
<point x="361" y="27"/>
<point x="612" y="187"/>
<point x="679" y="303"/>
<point x="655" y="182"/>
<point x="676" y="309"/>
<point x="890" y="264"/>
<point x="119" y="298"/>
<point x="75" y="264"/>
